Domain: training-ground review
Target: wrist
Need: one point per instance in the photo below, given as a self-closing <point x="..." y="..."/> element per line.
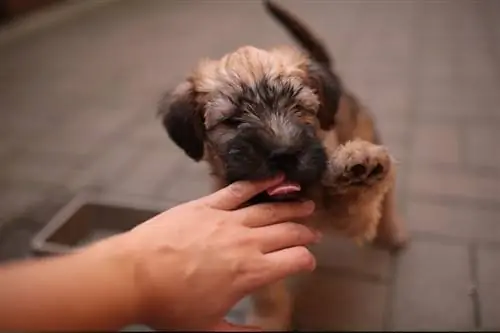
<point x="148" y="266"/>
<point x="115" y="259"/>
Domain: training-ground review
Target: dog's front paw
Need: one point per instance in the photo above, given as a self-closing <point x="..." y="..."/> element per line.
<point x="358" y="164"/>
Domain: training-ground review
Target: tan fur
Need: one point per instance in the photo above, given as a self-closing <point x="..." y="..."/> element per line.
<point x="249" y="64"/>
<point x="361" y="213"/>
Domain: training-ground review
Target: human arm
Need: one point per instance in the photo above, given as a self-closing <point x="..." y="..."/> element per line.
<point x="184" y="268"/>
<point x="91" y="289"/>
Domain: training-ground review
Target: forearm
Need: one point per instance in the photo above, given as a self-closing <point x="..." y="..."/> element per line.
<point x="89" y="290"/>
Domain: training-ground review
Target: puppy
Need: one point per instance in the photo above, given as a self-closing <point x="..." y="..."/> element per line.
<point x="255" y="113"/>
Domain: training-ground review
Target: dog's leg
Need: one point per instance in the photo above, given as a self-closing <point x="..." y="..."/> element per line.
<point x="391" y="233"/>
<point x="271" y="307"/>
<point x="359" y="176"/>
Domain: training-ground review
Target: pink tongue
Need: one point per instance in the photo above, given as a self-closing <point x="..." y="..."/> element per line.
<point x="283" y="188"/>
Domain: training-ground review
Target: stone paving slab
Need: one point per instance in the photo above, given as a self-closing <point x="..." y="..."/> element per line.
<point x="329" y="301"/>
<point x="454" y="220"/>
<point x="437" y="143"/>
<point x="457" y="184"/>
<point x="432" y="288"/>
<point x="481" y="145"/>
<point x="489" y="286"/>
<point x="337" y="253"/>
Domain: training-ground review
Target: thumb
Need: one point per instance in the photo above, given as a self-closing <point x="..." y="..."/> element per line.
<point x="224" y="325"/>
<point x="237" y="193"/>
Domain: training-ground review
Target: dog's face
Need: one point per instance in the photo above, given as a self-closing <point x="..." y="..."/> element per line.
<point x="254" y="114"/>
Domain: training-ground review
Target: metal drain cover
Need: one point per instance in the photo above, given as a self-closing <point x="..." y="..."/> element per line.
<point x="86" y="219"/>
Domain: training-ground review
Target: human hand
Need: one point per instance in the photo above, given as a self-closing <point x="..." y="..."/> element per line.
<point x="193" y="262"/>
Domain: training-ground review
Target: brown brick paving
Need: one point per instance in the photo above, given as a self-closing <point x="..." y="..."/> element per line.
<point x="77" y="104"/>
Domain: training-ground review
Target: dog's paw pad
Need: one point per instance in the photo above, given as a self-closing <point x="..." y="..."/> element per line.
<point x="359" y="174"/>
<point x="362" y="171"/>
<point x="360" y="163"/>
<point x="357" y="170"/>
<point x="378" y="170"/>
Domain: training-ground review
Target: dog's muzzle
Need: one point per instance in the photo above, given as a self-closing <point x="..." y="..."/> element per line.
<point x="252" y="156"/>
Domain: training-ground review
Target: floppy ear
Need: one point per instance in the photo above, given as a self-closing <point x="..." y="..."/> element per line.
<point x="183" y="120"/>
<point x="328" y="87"/>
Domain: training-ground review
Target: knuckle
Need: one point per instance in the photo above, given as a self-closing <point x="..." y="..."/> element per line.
<point x="270" y="212"/>
<point x="248" y="241"/>
<point x="242" y="217"/>
<point x="298" y="232"/>
<point x="296" y="209"/>
<point x="236" y="189"/>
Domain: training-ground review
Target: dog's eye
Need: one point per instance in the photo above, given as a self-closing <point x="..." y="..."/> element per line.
<point x="231" y="121"/>
<point x="304" y="112"/>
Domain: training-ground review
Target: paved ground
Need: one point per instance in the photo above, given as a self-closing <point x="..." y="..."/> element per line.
<point x="78" y="100"/>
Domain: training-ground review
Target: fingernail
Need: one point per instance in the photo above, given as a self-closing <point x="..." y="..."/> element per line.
<point x="309" y="206"/>
<point x="279" y="177"/>
<point x="274" y="180"/>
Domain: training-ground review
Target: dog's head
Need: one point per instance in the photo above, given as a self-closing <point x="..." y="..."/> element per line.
<point x="254" y="114"/>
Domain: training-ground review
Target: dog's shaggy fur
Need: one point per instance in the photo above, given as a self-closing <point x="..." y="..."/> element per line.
<point x="254" y="113"/>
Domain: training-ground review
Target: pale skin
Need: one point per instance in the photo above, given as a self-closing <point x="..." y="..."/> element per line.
<point x="183" y="269"/>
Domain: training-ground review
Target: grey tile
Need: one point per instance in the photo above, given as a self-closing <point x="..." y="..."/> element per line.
<point x="17" y="198"/>
<point x="392" y="128"/>
<point x="395" y="134"/>
<point x="432" y="289"/>
<point x="455" y="184"/>
<point x="21" y="127"/>
<point x="68" y="141"/>
<point x="82" y="134"/>
<point x="151" y="132"/>
<point x="192" y="181"/>
<point x="473" y="99"/>
<point x="398" y="148"/>
<point x="340" y="253"/>
<point x="331" y="302"/>
<point x="7" y="149"/>
<point x="489" y="287"/>
<point x="385" y="96"/>
<point x="436" y="143"/>
<point x="106" y="168"/>
<point x="437" y="71"/>
<point x="15" y="239"/>
<point x="151" y="168"/>
<point x="454" y="220"/>
<point x="481" y="145"/>
<point x="39" y="167"/>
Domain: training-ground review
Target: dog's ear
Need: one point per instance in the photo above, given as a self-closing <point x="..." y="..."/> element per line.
<point x="183" y="120"/>
<point x="328" y="87"/>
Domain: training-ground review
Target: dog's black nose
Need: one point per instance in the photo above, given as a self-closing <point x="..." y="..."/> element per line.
<point x="283" y="159"/>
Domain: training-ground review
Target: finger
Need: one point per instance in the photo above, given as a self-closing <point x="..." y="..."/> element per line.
<point x="281" y="264"/>
<point x="283" y="235"/>
<point x="235" y="194"/>
<point x="270" y="213"/>
<point x="224" y="326"/>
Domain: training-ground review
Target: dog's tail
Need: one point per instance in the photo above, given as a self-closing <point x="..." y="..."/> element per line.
<point x="300" y="32"/>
